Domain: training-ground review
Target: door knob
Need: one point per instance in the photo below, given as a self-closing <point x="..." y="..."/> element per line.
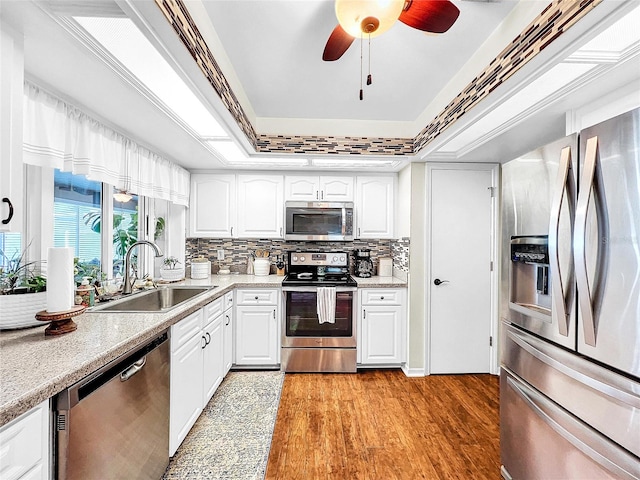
<point x="437" y="281"/>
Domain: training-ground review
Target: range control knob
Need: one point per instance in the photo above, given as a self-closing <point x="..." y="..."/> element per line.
<point x="342" y="258"/>
<point x="334" y="259"/>
<point x="294" y="258"/>
<point x="302" y="259"/>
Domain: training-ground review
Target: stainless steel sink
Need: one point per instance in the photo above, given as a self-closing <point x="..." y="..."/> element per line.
<point x="158" y="300"/>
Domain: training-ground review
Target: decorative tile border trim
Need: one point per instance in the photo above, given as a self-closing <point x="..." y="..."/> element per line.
<point x="178" y="16"/>
<point x="554" y="20"/>
<point x="335" y="145"/>
<point x="550" y="24"/>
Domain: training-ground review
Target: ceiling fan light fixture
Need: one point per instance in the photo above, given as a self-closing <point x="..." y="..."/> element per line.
<point x="370" y="17"/>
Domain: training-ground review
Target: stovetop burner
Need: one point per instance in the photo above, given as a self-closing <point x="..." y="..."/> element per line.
<point x="309" y="278"/>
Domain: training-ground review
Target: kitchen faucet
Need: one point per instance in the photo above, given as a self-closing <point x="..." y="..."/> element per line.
<point x="127" y="284"/>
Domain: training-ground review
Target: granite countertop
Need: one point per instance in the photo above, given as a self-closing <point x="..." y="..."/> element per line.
<point x="34" y="367"/>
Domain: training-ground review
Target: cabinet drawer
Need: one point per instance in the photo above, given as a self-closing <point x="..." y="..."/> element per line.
<point x="379" y="296"/>
<point x="213" y="310"/>
<point x="257" y="297"/>
<point x="21" y="444"/>
<point x="186" y="328"/>
<point x="228" y="300"/>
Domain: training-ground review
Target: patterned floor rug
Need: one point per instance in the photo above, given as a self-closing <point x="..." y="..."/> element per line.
<point x="231" y="439"/>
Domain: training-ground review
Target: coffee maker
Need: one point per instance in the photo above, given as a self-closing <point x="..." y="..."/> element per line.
<point x="363" y="266"/>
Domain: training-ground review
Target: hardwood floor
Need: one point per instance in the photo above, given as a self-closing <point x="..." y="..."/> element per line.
<point x="382" y="425"/>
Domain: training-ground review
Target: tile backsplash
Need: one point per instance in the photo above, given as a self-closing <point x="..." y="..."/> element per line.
<point x="400" y="254"/>
<point x="237" y="251"/>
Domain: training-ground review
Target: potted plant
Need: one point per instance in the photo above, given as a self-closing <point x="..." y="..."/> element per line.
<point x="22" y="291"/>
<point x="170" y="270"/>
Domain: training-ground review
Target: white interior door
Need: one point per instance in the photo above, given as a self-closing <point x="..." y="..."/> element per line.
<point x="460" y="294"/>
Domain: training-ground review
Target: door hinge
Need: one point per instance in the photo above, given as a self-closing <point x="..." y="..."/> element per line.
<point x="492" y="191"/>
<point x="491" y="341"/>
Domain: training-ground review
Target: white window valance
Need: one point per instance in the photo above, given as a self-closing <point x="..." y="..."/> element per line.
<point x="59" y="135"/>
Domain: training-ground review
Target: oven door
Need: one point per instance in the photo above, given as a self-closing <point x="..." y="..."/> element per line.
<point x="302" y="328"/>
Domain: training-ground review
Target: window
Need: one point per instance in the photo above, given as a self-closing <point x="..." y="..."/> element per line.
<point x="10" y="245"/>
<point x="78" y="213"/>
<point x="77" y="216"/>
<point x="125" y="231"/>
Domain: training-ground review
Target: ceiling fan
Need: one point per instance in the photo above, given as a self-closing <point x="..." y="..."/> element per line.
<point x="370" y="18"/>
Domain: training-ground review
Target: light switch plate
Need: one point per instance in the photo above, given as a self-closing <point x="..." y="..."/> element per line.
<point x="220" y="254"/>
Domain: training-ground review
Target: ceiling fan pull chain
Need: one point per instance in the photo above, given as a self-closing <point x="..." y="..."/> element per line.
<point x="369" y="76"/>
<point x="361" y="91"/>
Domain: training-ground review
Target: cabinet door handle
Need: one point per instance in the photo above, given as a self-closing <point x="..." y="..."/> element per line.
<point x="232" y="231"/>
<point x="8" y="219"/>
<point x="274" y="313"/>
<point x="208" y="338"/>
<point x="228" y="320"/>
<point x="364" y="314"/>
<point x="381" y="298"/>
<point x="205" y="342"/>
<point x="256" y="298"/>
<point x="358" y="231"/>
<point x="280" y="231"/>
<point x="317" y="198"/>
<point x="322" y="195"/>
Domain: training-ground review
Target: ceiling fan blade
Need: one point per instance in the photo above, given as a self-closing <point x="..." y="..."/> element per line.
<point x="338" y="43"/>
<point x="434" y="16"/>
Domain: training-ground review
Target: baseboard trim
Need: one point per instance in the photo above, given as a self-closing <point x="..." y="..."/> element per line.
<point x="413" y="372"/>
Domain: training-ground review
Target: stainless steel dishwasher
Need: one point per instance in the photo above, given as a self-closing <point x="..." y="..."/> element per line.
<point x="114" y="424"/>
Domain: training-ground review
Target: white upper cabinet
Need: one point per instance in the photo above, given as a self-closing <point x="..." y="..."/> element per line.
<point x="212" y="207"/>
<point x="323" y="188"/>
<point x="11" y="95"/>
<point x="374" y="207"/>
<point x="336" y="189"/>
<point x="260" y="206"/>
<point x="304" y="189"/>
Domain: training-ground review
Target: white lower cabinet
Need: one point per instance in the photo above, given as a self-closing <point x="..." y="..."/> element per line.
<point x="382" y="327"/>
<point x="257" y="327"/>
<point x="24" y="445"/>
<point x="213" y="367"/>
<point x="196" y="367"/>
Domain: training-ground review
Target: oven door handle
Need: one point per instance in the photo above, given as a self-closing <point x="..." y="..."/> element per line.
<point x="315" y="289"/>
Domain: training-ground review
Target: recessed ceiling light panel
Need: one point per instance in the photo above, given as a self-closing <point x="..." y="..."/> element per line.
<point x="127" y="44"/>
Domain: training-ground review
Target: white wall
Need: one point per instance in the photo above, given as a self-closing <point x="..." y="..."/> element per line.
<point x="403" y="203"/>
<point x="417" y="272"/>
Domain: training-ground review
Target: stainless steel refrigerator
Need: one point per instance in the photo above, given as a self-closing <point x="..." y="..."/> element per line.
<point x="570" y="307"/>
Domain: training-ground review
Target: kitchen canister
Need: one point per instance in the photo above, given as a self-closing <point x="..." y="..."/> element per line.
<point x="200" y="268"/>
<point x="261" y="266"/>
<point x="385" y="267"/>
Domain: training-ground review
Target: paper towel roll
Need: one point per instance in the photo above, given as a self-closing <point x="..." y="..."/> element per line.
<point x="60" y="284"/>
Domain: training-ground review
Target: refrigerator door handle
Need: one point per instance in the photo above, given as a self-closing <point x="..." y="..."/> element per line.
<point x="564" y="184"/>
<point x="579" y="247"/>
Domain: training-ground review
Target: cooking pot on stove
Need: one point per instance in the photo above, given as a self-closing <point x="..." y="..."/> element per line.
<point x="363" y="266"/>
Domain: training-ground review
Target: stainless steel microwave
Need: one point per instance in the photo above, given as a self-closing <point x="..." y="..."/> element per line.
<point x="319" y="221"/>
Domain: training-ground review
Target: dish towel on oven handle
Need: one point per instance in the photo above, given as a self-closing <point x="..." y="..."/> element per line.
<point x="326" y="300"/>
